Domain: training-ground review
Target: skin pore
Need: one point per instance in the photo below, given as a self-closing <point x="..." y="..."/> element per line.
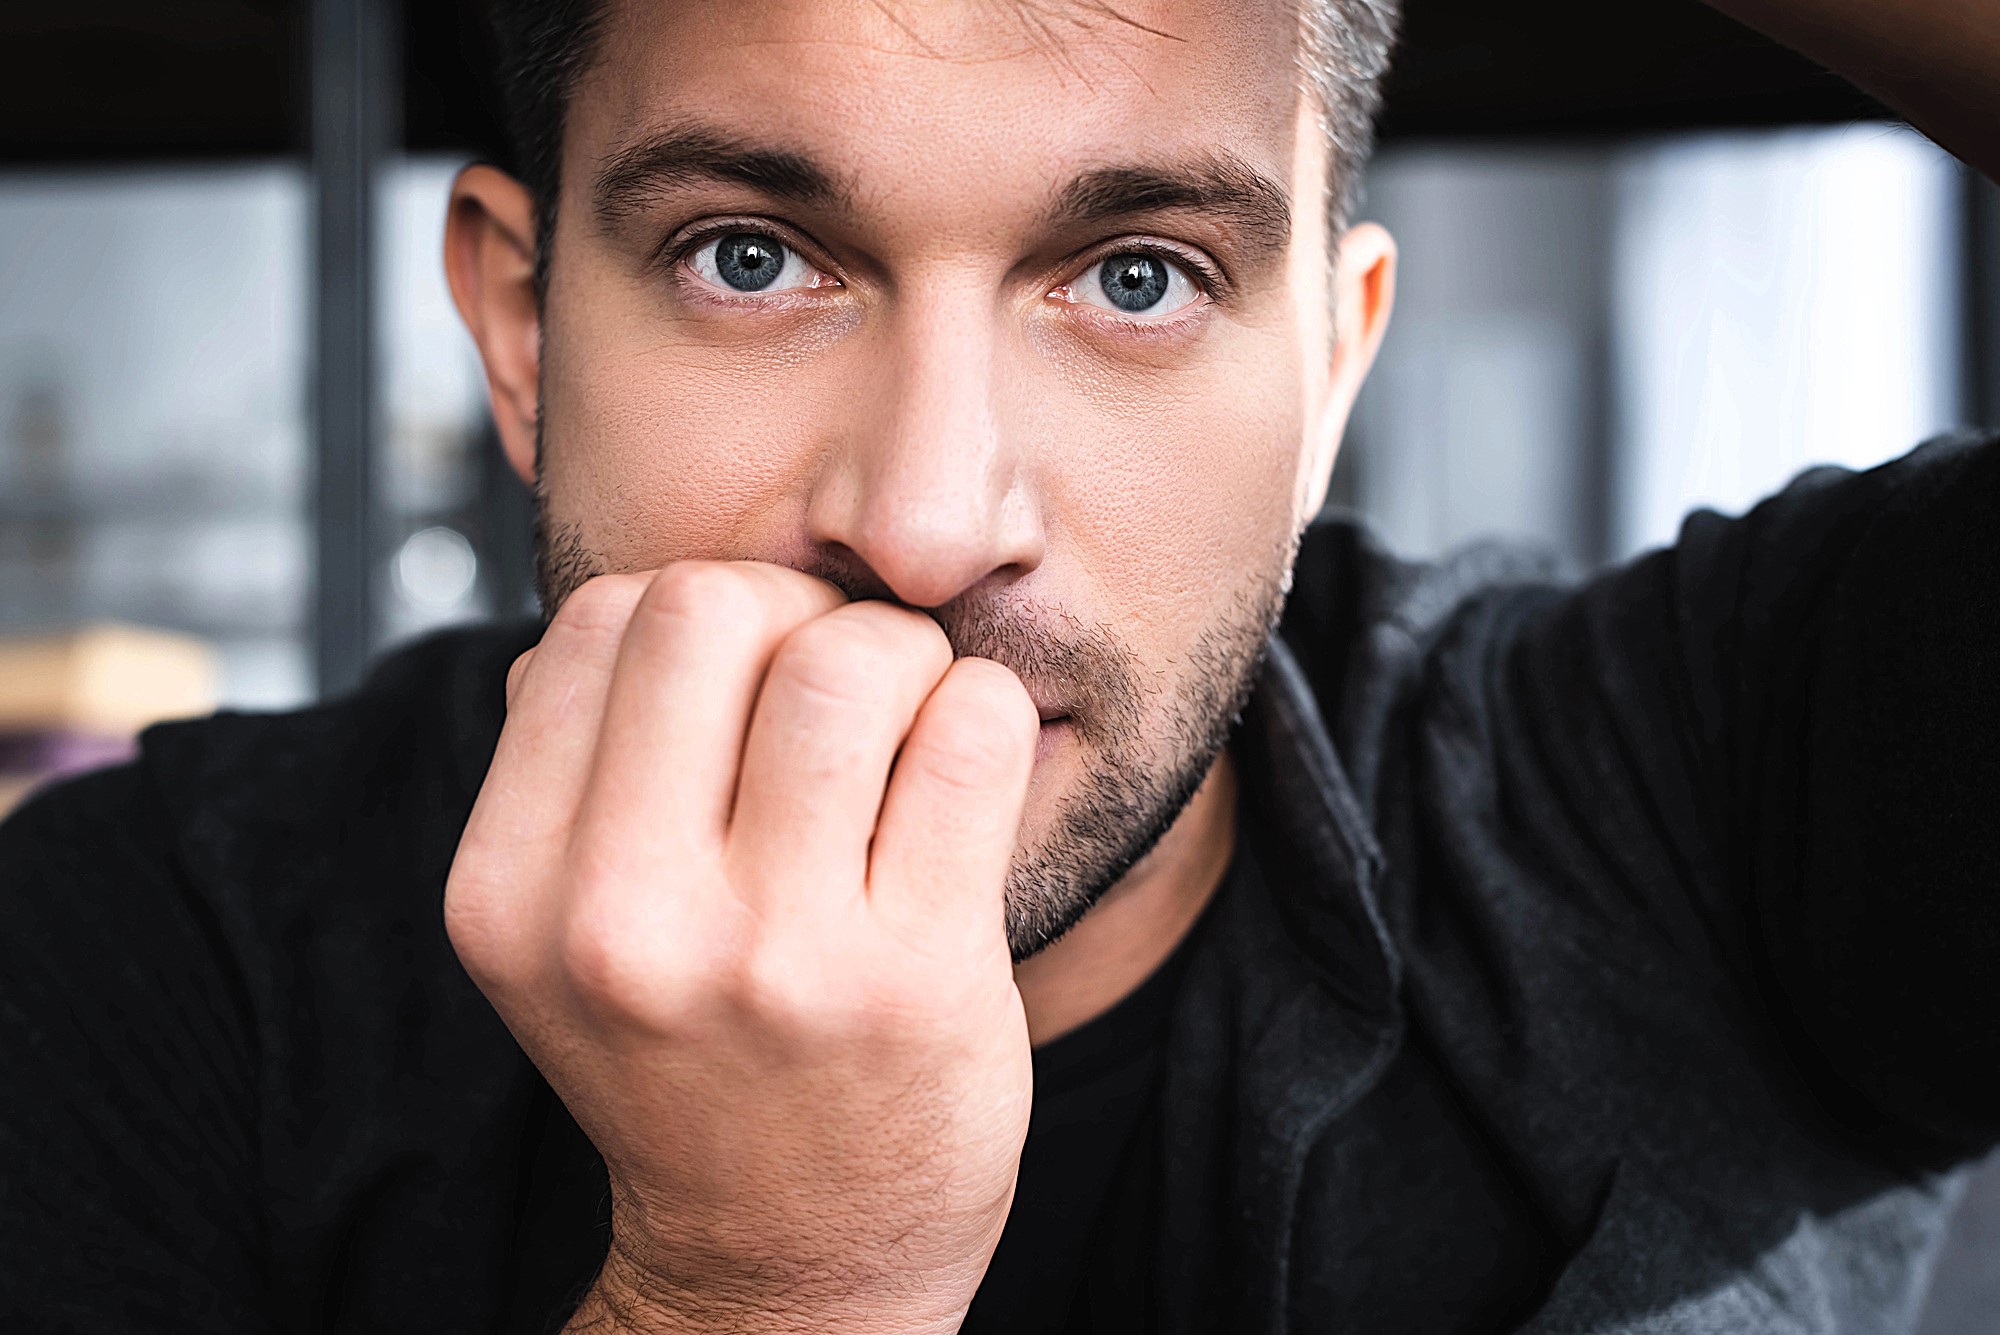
<point x="936" y="401"/>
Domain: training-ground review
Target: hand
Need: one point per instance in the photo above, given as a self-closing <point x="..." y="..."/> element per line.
<point x="734" y="882"/>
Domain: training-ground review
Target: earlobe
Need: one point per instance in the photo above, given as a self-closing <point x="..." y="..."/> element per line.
<point x="489" y="258"/>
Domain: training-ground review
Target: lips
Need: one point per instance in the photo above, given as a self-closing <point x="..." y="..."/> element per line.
<point x="1056" y="729"/>
<point x="1048" y="706"/>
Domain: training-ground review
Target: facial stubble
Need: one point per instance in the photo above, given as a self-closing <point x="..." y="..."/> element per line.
<point x="1149" y="733"/>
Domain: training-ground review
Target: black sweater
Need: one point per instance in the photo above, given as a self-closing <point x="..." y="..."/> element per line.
<point x="1621" y="958"/>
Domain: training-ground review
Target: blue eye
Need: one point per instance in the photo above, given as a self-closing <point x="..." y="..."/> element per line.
<point x="1134" y="283"/>
<point x="748" y="262"/>
<point x="753" y="262"/>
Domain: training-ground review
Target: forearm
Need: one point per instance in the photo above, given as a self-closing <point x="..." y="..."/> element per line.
<point x="1877" y="882"/>
<point x="1935" y="61"/>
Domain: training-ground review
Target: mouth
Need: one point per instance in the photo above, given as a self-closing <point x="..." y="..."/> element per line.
<point x="1049" y="703"/>
<point x="1056" y="727"/>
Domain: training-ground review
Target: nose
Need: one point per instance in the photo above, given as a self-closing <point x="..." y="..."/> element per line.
<point x="930" y="488"/>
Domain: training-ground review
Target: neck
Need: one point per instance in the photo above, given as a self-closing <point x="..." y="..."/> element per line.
<point x="1132" y="930"/>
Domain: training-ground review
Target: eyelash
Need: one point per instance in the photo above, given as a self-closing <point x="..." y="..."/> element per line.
<point x="678" y="247"/>
<point x="1207" y="277"/>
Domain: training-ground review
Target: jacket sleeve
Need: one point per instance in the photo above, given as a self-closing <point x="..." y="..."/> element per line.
<point x="1812" y="694"/>
<point x="128" y="1153"/>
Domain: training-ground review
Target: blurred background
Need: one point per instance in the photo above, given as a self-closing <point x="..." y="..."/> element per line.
<point x="1650" y="262"/>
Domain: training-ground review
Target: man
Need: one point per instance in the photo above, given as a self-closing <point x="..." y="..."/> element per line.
<point x="869" y="915"/>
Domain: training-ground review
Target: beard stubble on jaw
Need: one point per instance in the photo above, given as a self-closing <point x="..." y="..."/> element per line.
<point x="1149" y="735"/>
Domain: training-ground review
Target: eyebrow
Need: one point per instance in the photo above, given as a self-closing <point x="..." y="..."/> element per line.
<point x="632" y="177"/>
<point x="1222" y="186"/>
<point x="1225" y="187"/>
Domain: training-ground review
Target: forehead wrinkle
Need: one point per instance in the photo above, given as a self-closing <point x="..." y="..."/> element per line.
<point x="1080" y="12"/>
<point x="1041" y="24"/>
<point x="686" y="152"/>
<point x="692" y="143"/>
<point x="888" y="11"/>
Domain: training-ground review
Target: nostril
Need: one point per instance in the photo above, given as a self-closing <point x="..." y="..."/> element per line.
<point x="841" y="566"/>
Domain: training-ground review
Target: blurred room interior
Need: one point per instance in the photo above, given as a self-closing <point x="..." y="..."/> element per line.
<point x="1650" y="262"/>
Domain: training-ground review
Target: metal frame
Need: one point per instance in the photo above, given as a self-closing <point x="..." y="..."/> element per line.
<point x="355" y="87"/>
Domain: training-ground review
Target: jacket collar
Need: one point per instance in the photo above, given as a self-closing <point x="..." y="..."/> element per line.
<point x="1287" y="1016"/>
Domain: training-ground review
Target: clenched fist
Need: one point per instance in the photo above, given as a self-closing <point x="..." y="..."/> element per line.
<point x="734" y="882"/>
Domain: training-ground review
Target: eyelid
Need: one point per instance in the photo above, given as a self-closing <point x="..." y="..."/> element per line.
<point x="1206" y="273"/>
<point x="683" y="242"/>
<point x="1203" y="278"/>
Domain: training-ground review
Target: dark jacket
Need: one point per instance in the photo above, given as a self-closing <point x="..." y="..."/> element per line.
<point x="1619" y="958"/>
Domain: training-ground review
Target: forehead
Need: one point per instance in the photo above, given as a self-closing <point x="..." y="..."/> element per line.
<point x="951" y="98"/>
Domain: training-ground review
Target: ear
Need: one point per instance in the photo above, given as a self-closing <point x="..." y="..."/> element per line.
<point x="1364" y="294"/>
<point x="489" y="259"/>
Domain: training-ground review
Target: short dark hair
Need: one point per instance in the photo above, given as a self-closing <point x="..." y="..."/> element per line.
<point x="544" y="46"/>
<point x="541" y="49"/>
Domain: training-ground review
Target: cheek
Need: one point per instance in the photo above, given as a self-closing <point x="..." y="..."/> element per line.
<point x="1175" y="491"/>
<point x="1163" y="489"/>
<point x="664" y="447"/>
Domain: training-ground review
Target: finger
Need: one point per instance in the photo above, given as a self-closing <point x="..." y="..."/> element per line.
<point x="952" y="813"/>
<point x="555" y="703"/>
<point x="836" y="704"/>
<point x="515" y="672"/>
<point x="686" y="682"/>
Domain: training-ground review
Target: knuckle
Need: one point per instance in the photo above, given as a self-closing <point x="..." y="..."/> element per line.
<point x="768" y="985"/>
<point x="702" y="591"/>
<point x="833" y="660"/>
<point x="923" y="644"/>
<point x="478" y="928"/>
<point x="786" y="995"/>
<point x="854" y="654"/>
<point x="627" y="966"/>
<point x="603" y="962"/>
<point x="901" y="630"/>
<point x="515" y="672"/>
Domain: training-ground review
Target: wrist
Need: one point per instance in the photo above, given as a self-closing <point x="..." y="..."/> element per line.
<point x="630" y="1299"/>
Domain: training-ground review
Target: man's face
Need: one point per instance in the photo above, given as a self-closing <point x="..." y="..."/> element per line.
<point x="1014" y="312"/>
